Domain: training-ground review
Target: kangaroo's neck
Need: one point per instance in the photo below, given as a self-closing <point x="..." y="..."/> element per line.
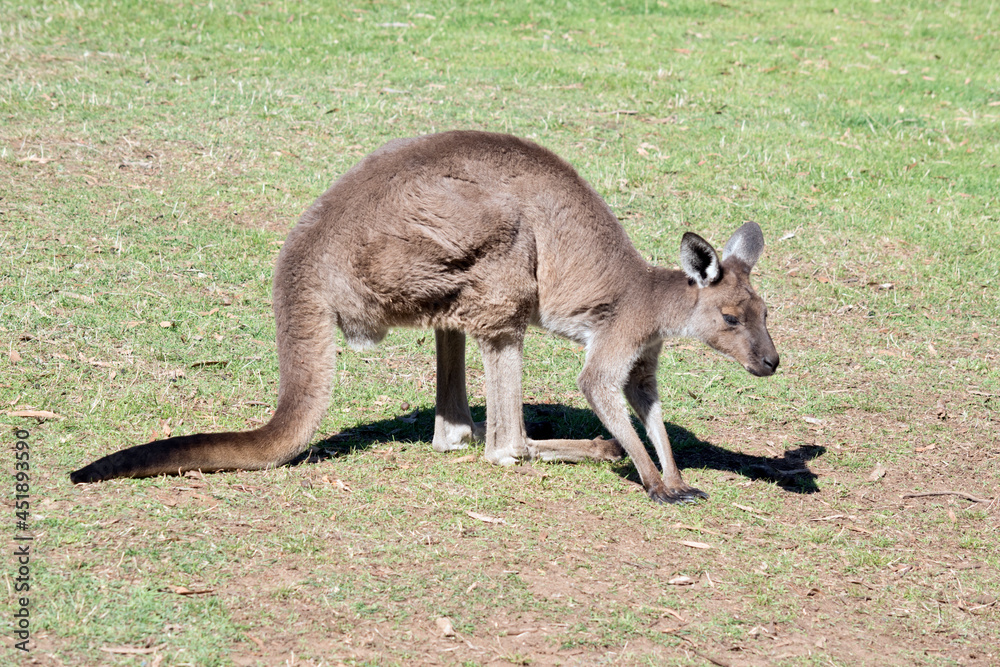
<point x="673" y="300"/>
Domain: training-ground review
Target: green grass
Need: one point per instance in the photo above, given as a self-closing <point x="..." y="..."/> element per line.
<point x="152" y="156"/>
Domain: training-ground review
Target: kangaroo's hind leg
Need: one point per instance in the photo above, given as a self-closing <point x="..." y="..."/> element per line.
<point x="506" y="441"/>
<point x="453" y="425"/>
<point x="574" y="451"/>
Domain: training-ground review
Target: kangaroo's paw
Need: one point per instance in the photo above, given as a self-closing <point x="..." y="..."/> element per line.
<point x="676" y="494"/>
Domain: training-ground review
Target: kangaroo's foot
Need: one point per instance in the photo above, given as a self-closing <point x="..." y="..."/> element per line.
<point x="597" y="449"/>
<point x="506" y="455"/>
<point x="681" y="493"/>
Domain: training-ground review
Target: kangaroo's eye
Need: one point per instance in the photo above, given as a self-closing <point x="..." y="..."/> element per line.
<point x="730" y="320"/>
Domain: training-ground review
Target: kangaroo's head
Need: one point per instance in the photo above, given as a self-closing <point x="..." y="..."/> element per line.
<point x="729" y="316"/>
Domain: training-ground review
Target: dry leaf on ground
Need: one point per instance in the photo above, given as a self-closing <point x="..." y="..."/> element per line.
<point x="38" y="414"/>
<point x="444" y="625"/>
<point x="694" y="545"/>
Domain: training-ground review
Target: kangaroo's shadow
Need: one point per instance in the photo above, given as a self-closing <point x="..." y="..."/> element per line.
<point x="789" y="471"/>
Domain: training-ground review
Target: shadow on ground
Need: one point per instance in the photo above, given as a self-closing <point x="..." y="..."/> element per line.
<point x="789" y="471"/>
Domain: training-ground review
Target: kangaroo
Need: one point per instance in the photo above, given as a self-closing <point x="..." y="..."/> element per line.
<point x="483" y="234"/>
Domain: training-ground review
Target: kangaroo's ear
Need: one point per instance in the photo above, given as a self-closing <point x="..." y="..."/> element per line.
<point x="746" y="244"/>
<point x="699" y="259"/>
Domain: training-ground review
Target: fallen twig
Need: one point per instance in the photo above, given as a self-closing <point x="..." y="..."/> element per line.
<point x="960" y="494"/>
<point x="131" y="650"/>
<point x="673" y="613"/>
<point x="702" y="655"/>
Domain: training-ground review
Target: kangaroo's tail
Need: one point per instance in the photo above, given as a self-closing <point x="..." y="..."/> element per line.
<point x="306" y="357"/>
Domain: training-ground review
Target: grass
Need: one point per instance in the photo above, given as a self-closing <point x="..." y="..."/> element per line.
<point x="152" y="156"/>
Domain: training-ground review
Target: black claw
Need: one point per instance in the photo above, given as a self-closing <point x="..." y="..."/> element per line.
<point x="683" y="495"/>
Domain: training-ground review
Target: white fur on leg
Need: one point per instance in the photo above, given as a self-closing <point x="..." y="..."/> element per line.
<point x="449" y="437"/>
<point x="502" y="456"/>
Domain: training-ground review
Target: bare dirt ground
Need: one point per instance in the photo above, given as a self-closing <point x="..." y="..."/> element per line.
<point x="861" y="570"/>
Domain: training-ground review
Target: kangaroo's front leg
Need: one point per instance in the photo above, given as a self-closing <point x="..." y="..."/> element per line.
<point x="642" y="395"/>
<point x="506" y="441"/>
<point x="453" y="425"/>
<point x="602" y="380"/>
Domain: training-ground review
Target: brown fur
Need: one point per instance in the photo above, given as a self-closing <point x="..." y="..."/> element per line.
<point x="482" y="234"/>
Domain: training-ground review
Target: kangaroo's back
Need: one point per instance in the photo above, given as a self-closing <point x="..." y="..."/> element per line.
<point x="466" y="230"/>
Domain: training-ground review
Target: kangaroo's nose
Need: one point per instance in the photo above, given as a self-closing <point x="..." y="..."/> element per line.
<point x="771" y="362"/>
